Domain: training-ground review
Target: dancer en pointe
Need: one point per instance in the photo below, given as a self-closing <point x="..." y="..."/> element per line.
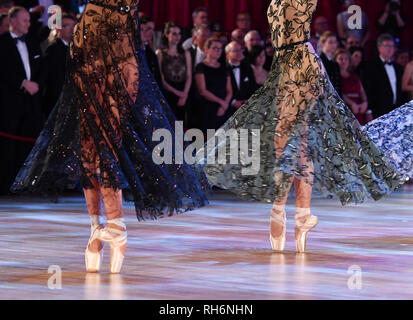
<point x="100" y="133"/>
<point x="308" y="136"/>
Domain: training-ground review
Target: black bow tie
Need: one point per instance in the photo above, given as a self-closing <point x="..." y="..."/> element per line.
<point x="235" y="67"/>
<point x="22" y="39"/>
<point x="390" y="63"/>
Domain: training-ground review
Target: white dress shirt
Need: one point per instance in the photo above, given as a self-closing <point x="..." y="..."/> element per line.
<point x="24" y="55"/>
<point x="200" y="56"/>
<point x="391" y="74"/>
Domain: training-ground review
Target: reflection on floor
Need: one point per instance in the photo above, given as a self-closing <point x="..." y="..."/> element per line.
<point x="218" y="252"/>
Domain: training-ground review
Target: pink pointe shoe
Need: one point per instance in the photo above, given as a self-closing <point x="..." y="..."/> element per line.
<point x="302" y="227"/>
<point x="93" y="260"/>
<point x="276" y="220"/>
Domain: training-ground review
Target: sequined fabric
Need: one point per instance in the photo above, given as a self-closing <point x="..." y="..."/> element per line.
<point x="393" y="134"/>
<point x="306" y="130"/>
<point x="102" y="125"/>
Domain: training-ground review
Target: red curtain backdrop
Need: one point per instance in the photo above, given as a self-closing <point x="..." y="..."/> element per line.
<point x="226" y="11"/>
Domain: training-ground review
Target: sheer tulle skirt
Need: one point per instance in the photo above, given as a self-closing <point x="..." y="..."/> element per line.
<point x="102" y="126"/>
<point x="305" y="131"/>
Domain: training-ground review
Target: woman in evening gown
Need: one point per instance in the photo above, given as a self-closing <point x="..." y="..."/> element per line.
<point x="308" y="135"/>
<point x="100" y="133"/>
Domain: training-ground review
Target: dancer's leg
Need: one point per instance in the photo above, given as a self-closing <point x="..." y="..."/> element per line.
<point x="304" y="221"/>
<point x="115" y="231"/>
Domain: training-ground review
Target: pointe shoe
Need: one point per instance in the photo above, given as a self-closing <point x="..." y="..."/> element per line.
<point x="93" y="260"/>
<point x="277" y="243"/>
<point x="116" y="239"/>
<point x="302" y="229"/>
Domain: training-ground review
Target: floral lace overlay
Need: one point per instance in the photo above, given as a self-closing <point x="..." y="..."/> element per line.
<point x="306" y="130"/>
<point x="101" y="128"/>
<point x="392" y="133"/>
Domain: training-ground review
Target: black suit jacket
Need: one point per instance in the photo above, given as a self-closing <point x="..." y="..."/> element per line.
<point x="55" y="60"/>
<point x="247" y="82"/>
<point x="378" y="88"/>
<point x="333" y="71"/>
<point x="248" y="85"/>
<point x="15" y="104"/>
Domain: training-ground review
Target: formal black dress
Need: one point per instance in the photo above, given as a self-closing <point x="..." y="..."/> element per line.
<point x="174" y="71"/>
<point x="216" y="83"/>
<point x="103" y="124"/>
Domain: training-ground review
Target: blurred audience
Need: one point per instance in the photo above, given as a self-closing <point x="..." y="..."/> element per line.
<point x="390" y="20"/>
<point x="243" y="22"/>
<point x="345" y="28"/>
<point x="147" y="34"/>
<point x="55" y="59"/>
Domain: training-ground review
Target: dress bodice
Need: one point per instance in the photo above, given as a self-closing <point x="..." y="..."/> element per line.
<point x="290" y="20"/>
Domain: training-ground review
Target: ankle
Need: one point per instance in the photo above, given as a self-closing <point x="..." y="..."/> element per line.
<point x="302" y="214"/>
<point x="278" y="209"/>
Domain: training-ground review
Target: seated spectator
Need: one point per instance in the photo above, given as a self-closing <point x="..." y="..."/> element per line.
<point x="352" y="90"/>
<point x="243" y="22"/>
<point x="56" y="55"/>
<point x="147" y="33"/>
<point x="269" y="53"/>
<point x="390" y="20"/>
<point x="329" y="46"/>
<point x="251" y="39"/>
<point x="344" y="29"/>
<point x="238" y="35"/>
<point x="201" y="34"/>
<point x="320" y="26"/>
<point x="214" y="86"/>
<point x="402" y="57"/>
<point x="221" y="37"/>
<point x="407" y="81"/>
<point x="382" y="78"/>
<point x="257" y="60"/>
<point x="199" y="17"/>
<point x="4" y="23"/>
<point x="352" y="41"/>
<point x="357" y="60"/>
<point x="242" y="77"/>
<point x="176" y="70"/>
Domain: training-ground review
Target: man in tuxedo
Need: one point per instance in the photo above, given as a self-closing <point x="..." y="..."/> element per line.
<point x="21" y="80"/>
<point x="242" y="77"/>
<point x="382" y="78"/>
<point x="147" y="32"/>
<point x="55" y="60"/>
<point x="329" y="46"/>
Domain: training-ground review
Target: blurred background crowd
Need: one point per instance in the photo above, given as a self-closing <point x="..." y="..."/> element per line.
<point x="206" y="68"/>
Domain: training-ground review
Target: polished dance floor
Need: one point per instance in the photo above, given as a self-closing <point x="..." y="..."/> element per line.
<point x="218" y="252"/>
